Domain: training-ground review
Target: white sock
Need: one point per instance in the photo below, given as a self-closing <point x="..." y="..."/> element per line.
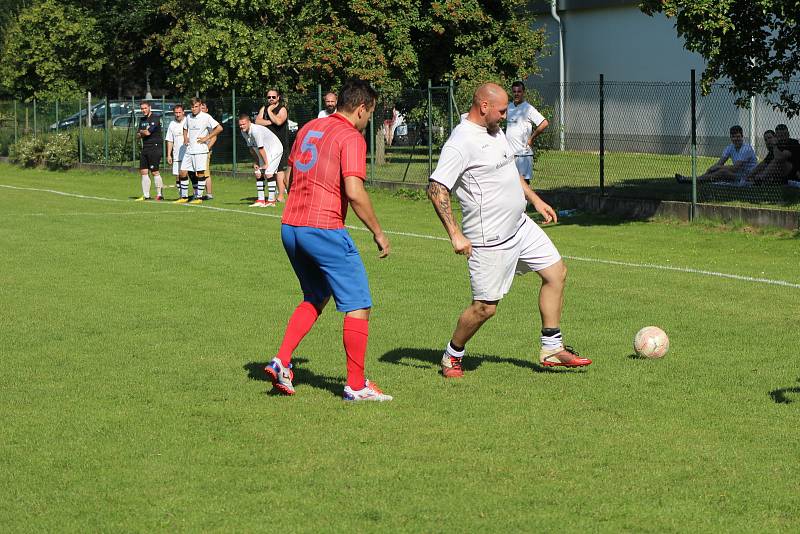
<point x="146" y="185"/>
<point x="201" y="189"/>
<point x="184" y="188"/>
<point x="453" y="353"/>
<point x="159" y="183"/>
<point x="272" y="186"/>
<point x="260" y="189"/>
<point x="552" y="342"/>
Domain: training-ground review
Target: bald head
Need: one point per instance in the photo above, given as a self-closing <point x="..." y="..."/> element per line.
<point x="489" y="106"/>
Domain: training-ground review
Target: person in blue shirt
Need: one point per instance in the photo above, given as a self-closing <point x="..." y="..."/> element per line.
<point x="743" y="161"/>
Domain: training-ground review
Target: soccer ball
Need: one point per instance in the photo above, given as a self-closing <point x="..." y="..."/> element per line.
<point x="651" y="342"/>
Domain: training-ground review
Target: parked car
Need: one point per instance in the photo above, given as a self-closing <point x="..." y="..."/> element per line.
<point x="115" y="109"/>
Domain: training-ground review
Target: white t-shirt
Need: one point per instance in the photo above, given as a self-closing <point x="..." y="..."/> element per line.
<point x="745" y="154"/>
<point x="519" y="126"/>
<point x="198" y="126"/>
<point x="175" y="136"/>
<point x="322" y="114"/>
<point x="480" y="169"/>
<point x="261" y="137"/>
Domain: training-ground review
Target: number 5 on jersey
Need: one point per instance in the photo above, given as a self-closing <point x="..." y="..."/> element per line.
<point x="309" y="146"/>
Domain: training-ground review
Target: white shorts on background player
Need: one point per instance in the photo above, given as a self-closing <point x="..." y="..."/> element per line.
<point x="261" y="137"/>
<point x="194" y="162"/>
<point x="492" y="269"/>
<point x="520" y="121"/>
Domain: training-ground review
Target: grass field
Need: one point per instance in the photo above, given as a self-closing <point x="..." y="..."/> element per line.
<point x="133" y="398"/>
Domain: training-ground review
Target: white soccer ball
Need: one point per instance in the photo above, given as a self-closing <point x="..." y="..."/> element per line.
<point x="651" y="342"/>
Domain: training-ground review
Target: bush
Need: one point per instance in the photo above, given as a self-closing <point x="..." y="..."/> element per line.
<point x="28" y="152"/>
<point x="119" y="146"/>
<point x="55" y="151"/>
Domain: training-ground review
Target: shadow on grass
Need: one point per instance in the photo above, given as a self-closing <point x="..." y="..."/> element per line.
<point x="302" y="377"/>
<point x="427" y="359"/>
<point x="784" y="395"/>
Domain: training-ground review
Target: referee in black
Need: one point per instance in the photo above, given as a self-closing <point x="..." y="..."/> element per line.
<point x="149" y="131"/>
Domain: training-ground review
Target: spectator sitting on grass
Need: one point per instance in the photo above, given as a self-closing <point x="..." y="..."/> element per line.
<point x="786" y="143"/>
<point x="776" y="166"/>
<point x="740" y="153"/>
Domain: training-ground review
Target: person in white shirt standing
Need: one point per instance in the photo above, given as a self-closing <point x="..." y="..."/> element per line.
<point x="330" y="100"/>
<point x="524" y="125"/>
<point x="498" y="238"/>
<point x="266" y="150"/>
<point x="198" y="129"/>
<point x="176" y="148"/>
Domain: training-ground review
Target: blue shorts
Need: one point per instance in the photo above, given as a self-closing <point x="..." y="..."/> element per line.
<point x="327" y="263"/>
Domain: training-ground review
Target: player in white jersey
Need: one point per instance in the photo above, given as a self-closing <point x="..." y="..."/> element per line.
<point x="266" y="150"/>
<point x="523" y="125"/>
<point x="176" y="148"/>
<point x="498" y="238"/>
<point x="198" y="129"/>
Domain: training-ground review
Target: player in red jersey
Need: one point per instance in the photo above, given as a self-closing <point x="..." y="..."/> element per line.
<point x="329" y="168"/>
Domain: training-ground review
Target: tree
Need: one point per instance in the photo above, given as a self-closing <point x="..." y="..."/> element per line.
<point x="52" y="50"/>
<point x="754" y="43"/>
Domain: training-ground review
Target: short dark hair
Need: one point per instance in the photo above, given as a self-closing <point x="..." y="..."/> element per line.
<point x="244" y="115"/>
<point x="176" y="106"/>
<point x="354" y="93"/>
<point x="781" y="127"/>
<point x="518" y="84"/>
<point x="737" y="129"/>
<point x="769" y="132"/>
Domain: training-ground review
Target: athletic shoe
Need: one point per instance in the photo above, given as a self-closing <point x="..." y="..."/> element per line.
<point x="562" y="357"/>
<point x="159" y="198"/>
<point x="208" y="197"/>
<point x="142" y="199"/>
<point x="451" y="367"/>
<point x="196" y="201"/>
<point x="258" y="204"/>
<point x="182" y="200"/>
<point x="371" y="392"/>
<point x="281" y="376"/>
<point x="270" y="204"/>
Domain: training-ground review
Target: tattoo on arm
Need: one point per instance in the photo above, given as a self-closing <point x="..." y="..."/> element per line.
<point x="440" y="197"/>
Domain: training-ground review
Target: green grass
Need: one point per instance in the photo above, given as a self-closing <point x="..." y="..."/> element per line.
<point x="132" y="395"/>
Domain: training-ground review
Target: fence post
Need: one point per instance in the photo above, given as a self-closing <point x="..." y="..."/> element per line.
<point x="34" y="117"/>
<point x="16" y="121"/>
<point x="133" y="120"/>
<point x="372" y="148"/>
<point x="57" y="128"/>
<point x="430" y="130"/>
<point x="693" y="212"/>
<point x="602" y="140"/>
<point x="105" y="129"/>
<point x="319" y="97"/>
<point x="450" y="104"/>
<point x="80" y="130"/>
<point x="163" y="114"/>
<point x="234" y="125"/>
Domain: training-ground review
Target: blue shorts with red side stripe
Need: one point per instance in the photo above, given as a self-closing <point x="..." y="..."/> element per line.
<point x="327" y="263"/>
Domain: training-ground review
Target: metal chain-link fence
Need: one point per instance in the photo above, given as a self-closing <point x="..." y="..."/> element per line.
<point x="625" y="139"/>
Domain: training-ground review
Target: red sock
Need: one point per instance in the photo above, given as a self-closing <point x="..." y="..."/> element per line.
<point x="300" y="323"/>
<point x="354" y="335"/>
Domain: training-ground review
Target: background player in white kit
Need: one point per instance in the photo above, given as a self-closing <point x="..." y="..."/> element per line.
<point x="524" y="124"/>
<point x="267" y="150"/>
<point x="198" y="129"/>
<point x="499" y="239"/>
<point x="176" y="148"/>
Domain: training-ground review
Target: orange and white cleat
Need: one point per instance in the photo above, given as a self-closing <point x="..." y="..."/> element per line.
<point x="563" y="357"/>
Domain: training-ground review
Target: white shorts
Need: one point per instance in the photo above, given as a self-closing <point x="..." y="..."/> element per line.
<point x="524" y="166"/>
<point x="492" y="269"/>
<point x="177" y="158"/>
<point x="273" y="161"/>
<point x="195" y="162"/>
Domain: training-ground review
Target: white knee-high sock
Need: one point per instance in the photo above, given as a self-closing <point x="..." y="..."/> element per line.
<point x="146" y="185"/>
<point x="260" y="189"/>
<point x="159" y="183"/>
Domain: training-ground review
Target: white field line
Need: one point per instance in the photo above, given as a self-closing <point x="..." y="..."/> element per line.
<point x="259" y="213"/>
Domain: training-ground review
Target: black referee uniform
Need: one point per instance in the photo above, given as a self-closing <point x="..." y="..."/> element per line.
<point x="151" y="144"/>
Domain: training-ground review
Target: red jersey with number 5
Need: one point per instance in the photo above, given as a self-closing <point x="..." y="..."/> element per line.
<point x="325" y="151"/>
